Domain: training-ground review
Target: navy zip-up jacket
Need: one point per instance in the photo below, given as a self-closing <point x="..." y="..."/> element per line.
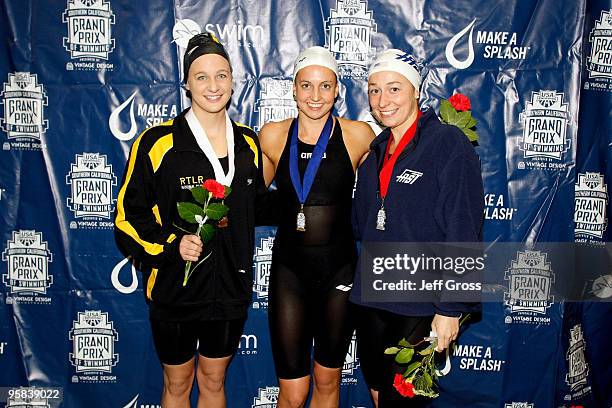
<point x="435" y="195"/>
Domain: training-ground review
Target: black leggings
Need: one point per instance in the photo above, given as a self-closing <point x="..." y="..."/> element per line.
<point x="301" y="309"/>
<point x="376" y="330"/>
<point x="176" y="342"/>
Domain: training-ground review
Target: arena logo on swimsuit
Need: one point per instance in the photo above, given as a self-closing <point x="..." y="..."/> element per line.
<point x="590" y="207"/>
<point x="545" y="121"/>
<point x="89" y="39"/>
<point x="529" y="296"/>
<point x="24" y="122"/>
<point x="93" y="347"/>
<point x="91" y="194"/>
<point x="599" y="61"/>
<point x="578" y="368"/>
<point x="275" y="102"/>
<point x="349" y="28"/>
<point x="28" y="276"/>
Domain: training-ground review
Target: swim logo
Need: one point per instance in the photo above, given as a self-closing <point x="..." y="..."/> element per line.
<point x="599" y="61"/>
<point x="89" y="39"/>
<point x="24" y="101"/>
<point x="590" y="206"/>
<point x="530" y="280"/>
<point x="91" y="182"/>
<point x="349" y="32"/>
<point x="545" y="121"/>
<point x="262" y="263"/>
<point x="578" y="368"/>
<point x="499" y="45"/>
<point x="28" y="276"/>
<point x="275" y="102"/>
<point x="93" y="346"/>
<point x="266" y="397"/>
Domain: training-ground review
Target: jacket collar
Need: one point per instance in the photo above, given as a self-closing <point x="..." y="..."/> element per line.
<point x="184" y="140"/>
<point x="379" y="144"/>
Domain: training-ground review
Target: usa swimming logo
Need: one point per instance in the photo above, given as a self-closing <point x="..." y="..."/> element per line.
<point x="89" y="39"/>
<point x="590" y="206"/>
<point x="93" y="347"/>
<point x="275" y="102"/>
<point x="266" y="397"/>
<point x="530" y="278"/>
<point x="24" y="122"/>
<point x="262" y="263"/>
<point x="28" y="276"/>
<point x="349" y="37"/>
<point x="578" y="368"/>
<point x="599" y="61"/>
<point x="545" y="121"/>
<point x="91" y="182"/>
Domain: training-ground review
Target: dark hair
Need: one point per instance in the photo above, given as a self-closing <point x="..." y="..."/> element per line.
<point x="202" y="44"/>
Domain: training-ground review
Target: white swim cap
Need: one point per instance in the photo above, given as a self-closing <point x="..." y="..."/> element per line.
<point x="315" y="56"/>
<point x="398" y="61"/>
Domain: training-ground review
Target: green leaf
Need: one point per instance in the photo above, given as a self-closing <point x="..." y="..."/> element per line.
<point x="471" y="134"/>
<point x="207" y="233"/>
<point x="404" y="356"/>
<point x="446" y="110"/>
<point x="463" y="118"/>
<point x="411" y="368"/>
<point x="228" y="190"/>
<point x="404" y="343"/>
<point x="216" y="211"/>
<point x="471" y="123"/>
<point x="428" y="380"/>
<point x="199" y="194"/>
<point x="392" y="350"/>
<point x="188" y="211"/>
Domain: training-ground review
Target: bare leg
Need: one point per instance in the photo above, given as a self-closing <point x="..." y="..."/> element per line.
<point x="211" y="381"/>
<point x="177" y="384"/>
<point x="293" y="393"/>
<point x="326" y="392"/>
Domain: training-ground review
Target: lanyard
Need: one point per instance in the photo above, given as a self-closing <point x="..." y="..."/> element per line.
<point x="303" y="188"/>
<point x="202" y="140"/>
<point x="384" y="176"/>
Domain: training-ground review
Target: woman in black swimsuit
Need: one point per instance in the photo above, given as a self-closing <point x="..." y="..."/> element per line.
<point x="313" y="160"/>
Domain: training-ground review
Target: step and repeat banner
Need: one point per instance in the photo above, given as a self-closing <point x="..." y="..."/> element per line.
<point x="81" y="79"/>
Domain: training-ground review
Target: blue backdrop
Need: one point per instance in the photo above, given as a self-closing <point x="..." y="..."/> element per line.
<point x="82" y="78"/>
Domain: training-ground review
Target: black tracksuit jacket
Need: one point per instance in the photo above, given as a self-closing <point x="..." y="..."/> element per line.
<point x="164" y="163"/>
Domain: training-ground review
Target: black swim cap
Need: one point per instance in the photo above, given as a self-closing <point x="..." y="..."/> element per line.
<point x="202" y="44"/>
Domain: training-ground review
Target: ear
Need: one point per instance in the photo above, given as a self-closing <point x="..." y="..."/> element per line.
<point x="337" y="90"/>
<point x="187" y="86"/>
<point x="417" y="94"/>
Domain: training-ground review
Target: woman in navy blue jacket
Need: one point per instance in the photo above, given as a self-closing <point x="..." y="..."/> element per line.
<point x="420" y="183"/>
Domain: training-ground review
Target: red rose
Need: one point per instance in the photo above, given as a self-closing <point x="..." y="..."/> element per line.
<point x="460" y="102"/>
<point x="405" y="388"/>
<point x="215" y="188"/>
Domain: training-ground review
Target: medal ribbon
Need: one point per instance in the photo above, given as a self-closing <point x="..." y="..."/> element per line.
<point x="202" y="139"/>
<point x="302" y="189"/>
<point x="384" y="177"/>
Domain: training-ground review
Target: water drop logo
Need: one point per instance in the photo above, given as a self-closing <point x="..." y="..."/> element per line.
<point x="450" y="48"/>
<point x="114" y="123"/>
<point x="115" y="278"/>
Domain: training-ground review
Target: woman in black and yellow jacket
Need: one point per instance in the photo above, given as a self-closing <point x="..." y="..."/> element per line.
<point x="165" y="162"/>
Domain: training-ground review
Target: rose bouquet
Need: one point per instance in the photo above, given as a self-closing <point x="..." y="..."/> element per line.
<point x="421" y="374"/>
<point x="457" y="111"/>
<point x="210" y="196"/>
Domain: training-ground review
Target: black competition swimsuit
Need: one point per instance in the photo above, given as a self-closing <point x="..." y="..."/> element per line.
<point x="312" y="271"/>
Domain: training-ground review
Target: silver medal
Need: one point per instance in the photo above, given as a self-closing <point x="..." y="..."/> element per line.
<point x="301" y="221"/>
<point x="380" y="219"/>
